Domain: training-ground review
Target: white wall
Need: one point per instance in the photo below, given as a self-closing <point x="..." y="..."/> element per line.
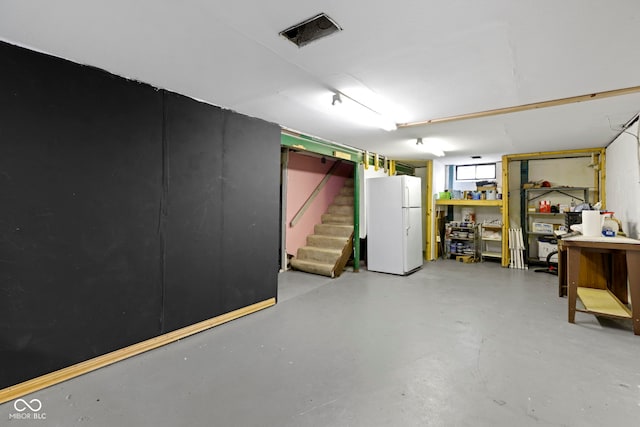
<point x="514" y="194"/>
<point x="364" y="174"/>
<point x="573" y="172"/>
<point x="439" y="176"/>
<point x="623" y="181"/>
<point x="570" y="172"/>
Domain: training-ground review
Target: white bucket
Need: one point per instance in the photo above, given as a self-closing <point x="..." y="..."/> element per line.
<point x="591" y="223"/>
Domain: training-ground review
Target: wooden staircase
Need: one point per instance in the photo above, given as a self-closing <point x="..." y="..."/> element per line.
<point x="329" y="248"/>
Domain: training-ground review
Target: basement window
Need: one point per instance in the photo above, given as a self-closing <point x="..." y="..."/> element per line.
<point x="476" y="172"/>
<point x="310" y="30"/>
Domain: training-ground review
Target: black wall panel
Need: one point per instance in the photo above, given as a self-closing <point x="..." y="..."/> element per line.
<point x="125" y="212"/>
<point x="79" y="190"/>
<point x="194" y="212"/>
<point x="251" y="203"/>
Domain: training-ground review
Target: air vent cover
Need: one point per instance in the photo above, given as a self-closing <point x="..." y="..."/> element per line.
<point x="312" y="29"/>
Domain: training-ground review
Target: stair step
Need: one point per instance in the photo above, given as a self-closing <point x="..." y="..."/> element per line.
<point x="343" y="200"/>
<point x="312" y="267"/>
<point x="340" y="210"/>
<point x="329" y="242"/>
<point x="323" y="255"/>
<point x="346" y="191"/>
<point x="348" y="182"/>
<point x="334" y="230"/>
<point x="337" y="219"/>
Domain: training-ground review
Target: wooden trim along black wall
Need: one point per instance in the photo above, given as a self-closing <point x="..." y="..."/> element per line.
<point x="126" y="212"/>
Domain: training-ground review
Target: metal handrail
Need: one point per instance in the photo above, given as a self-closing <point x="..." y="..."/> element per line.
<point x="314" y="194"/>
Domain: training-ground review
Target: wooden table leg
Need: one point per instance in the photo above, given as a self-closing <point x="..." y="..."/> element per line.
<point x="633" y="270"/>
<point x="562" y="271"/>
<point x="573" y="272"/>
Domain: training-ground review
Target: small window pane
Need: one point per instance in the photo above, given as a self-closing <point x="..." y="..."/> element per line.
<point x="486" y="171"/>
<point x="465" y="172"/>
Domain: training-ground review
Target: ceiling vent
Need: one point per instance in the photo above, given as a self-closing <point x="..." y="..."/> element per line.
<point x="312" y="29"/>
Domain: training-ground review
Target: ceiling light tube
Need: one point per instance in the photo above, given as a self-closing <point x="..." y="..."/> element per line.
<point x="360" y="113"/>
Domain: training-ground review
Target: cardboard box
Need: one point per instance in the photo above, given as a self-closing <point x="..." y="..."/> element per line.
<point x="541" y="227"/>
<point x="465" y="258"/>
<point x="545" y="206"/>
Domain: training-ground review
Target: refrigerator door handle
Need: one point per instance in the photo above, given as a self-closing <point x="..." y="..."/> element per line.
<point x="407" y="221"/>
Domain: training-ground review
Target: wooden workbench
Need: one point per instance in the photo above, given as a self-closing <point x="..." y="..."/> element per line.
<point x="597" y="272"/>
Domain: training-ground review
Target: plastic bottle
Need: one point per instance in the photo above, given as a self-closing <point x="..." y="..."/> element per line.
<point x="609" y="226"/>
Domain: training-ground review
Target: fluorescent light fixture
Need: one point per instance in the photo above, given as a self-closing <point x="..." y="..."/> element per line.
<point x="360" y="113"/>
<point x="432" y="146"/>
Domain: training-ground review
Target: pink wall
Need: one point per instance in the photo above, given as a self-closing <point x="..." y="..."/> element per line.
<point x="304" y="174"/>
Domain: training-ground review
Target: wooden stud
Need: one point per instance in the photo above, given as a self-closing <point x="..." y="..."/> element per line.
<point x="505" y="211"/>
<point x="526" y="107"/>
<point x="430" y="217"/>
<point x="603" y="177"/>
<point x="554" y="154"/>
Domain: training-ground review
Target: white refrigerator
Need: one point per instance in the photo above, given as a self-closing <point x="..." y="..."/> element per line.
<point x="394" y="224"/>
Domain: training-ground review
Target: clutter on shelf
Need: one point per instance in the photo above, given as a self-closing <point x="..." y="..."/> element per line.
<point x="461" y="240"/>
<point x="536" y="184"/>
<point x="485" y="190"/>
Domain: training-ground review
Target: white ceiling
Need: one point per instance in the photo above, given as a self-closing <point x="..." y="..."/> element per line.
<point x="429" y="58"/>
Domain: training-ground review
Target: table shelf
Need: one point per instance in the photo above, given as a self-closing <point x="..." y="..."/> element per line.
<point x="602" y="301"/>
<point x="608" y="288"/>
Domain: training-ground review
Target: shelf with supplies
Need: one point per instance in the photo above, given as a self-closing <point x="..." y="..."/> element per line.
<point x="467" y="202"/>
<point x="461" y="239"/>
<point x="483" y="211"/>
<point x="537" y="224"/>
<point x="536" y="193"/>
<point x="491" y="241"/>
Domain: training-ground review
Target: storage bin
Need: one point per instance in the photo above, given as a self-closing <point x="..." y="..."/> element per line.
<point x="541" y="227"/>
<point x="545" y="247"/>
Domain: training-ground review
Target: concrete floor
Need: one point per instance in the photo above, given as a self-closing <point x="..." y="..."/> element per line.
<point x="451" y="345"/>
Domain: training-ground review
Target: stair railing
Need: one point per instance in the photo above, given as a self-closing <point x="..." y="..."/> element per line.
<point x="314" y="194"/>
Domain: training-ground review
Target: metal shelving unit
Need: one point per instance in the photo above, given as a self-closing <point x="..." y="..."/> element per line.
<point x="451" y="203"/>
<point x="581" y="194"/>
<point x="461" y="239"/>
